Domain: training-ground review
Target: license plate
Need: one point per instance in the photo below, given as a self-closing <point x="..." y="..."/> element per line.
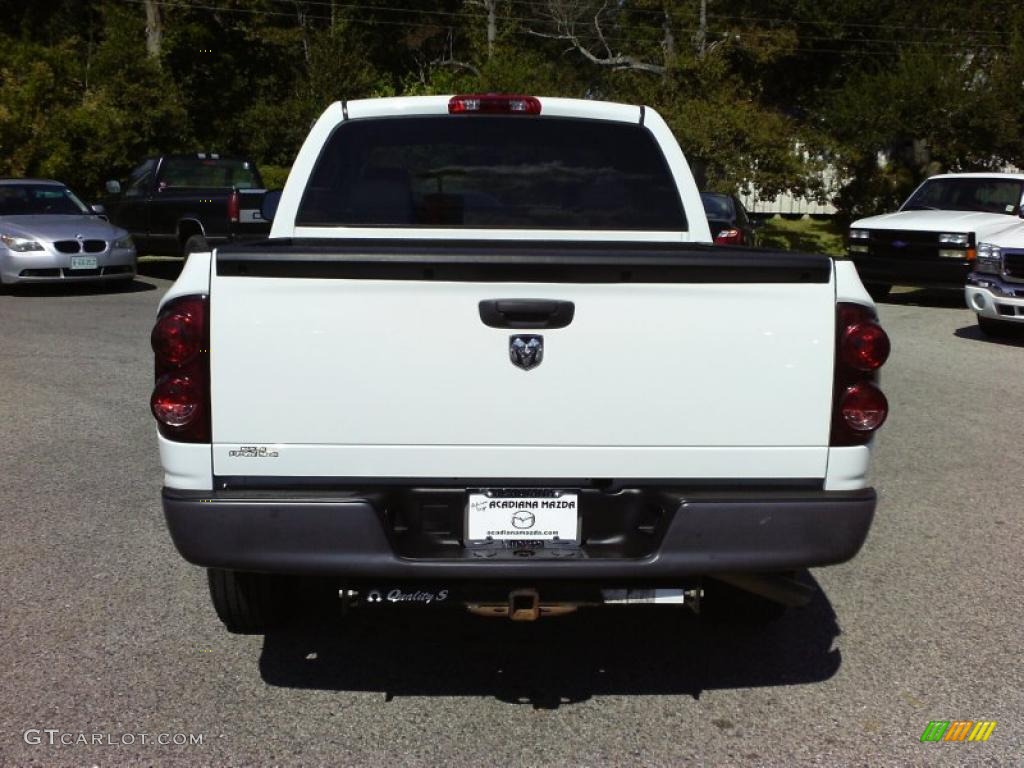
<point x="523" y="516"/>
<point x="83" y="262"/>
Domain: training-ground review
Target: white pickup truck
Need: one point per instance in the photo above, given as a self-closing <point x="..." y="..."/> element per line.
<point x="932" y="240"/>
<point x="488" y="357"/>
<point x="995" y="289"/>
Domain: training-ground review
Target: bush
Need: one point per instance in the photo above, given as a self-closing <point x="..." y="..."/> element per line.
<point x="274" y="176"/>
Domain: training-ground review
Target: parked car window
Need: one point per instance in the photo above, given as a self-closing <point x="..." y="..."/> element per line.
<point x="989" y="195"/>
<point x="39" y="199"/>
<point x="717" y="206"/>
<point x="139" y="180"/>
<point x="741" y="214"/>
<point x="514" y="172"/>
<point x="208" y="172"/>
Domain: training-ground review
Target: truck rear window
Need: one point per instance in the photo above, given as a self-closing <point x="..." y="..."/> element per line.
<point x="208" y="172"/>
<point x="492" y="171"/>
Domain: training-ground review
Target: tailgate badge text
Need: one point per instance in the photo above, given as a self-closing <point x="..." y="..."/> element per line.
<point x="253" y="452"/>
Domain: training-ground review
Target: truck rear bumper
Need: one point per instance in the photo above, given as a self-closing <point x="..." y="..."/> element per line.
<point x="354" y="536"/>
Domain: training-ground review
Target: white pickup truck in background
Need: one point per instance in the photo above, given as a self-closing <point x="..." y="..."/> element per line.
<point x="932" y="240"/>
<point x="995" y="289"/>
<point x="489" y="357"/>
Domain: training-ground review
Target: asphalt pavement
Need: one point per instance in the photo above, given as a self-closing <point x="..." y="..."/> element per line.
<point x="107" y="636"/>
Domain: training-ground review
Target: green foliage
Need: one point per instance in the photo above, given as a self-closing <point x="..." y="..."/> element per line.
<point x="81" y="119"/>
<point x="274" y="176"/>
<point x="765" y="94"/>
<point x="807" y="234"/>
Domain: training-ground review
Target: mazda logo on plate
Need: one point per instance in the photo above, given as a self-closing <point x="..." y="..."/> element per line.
<point x="526" y="351"/>
<point x="523" y="519"/>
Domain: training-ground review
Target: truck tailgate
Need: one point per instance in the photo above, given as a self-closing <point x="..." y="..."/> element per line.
<point x="680" y="362"/>
<point x="250" y="220"/>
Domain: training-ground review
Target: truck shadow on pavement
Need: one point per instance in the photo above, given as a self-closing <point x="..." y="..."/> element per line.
<point x="638" y="650"/>
<point x="1013" y="337"/>
<point x="927" y="297"/>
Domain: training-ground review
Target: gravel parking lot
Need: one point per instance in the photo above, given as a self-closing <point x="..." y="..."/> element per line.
<point x="105" y="632"/>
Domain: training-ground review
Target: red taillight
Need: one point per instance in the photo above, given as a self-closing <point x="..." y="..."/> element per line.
<point x="178" y="334"/>
<point x="729" y="237"/>
<point x="181" y="344"/>
<point x="493" y="104"/>
<point x="863" y="407"/>
<point x="234" y="206"/>
<point x="176" y="401"/>
<point x="862" y="347"/>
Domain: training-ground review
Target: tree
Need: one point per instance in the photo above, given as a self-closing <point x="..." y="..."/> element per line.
<point x="758" y="92"/>
<point x="83" y="120"/>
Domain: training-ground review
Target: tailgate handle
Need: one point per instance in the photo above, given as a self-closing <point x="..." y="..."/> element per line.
<point x="526" y="313"/>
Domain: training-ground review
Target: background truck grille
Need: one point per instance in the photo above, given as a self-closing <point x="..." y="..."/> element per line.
<point x="905" y="244"/>
<point x="1013" y="265"/>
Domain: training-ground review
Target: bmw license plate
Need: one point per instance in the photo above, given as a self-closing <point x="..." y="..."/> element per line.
<point x="83" y="262"/>
<point x="528" y="515"/>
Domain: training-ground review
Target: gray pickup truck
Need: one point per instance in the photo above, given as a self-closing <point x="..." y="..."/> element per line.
<point x="179" y="204"/>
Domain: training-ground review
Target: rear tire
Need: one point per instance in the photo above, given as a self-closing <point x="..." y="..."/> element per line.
<point x="249" y="603"/>
<point x="195" y="244"/>
<point x="725" y="604"/>
<point x="878" y="291"/>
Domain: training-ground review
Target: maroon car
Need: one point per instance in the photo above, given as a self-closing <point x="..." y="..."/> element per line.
<point x="729" y="221"/>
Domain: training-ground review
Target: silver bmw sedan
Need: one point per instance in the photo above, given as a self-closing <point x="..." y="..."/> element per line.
<point x="48" y="235"/>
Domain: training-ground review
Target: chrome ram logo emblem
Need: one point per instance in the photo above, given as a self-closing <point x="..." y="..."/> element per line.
<point x="526" y="351"/>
